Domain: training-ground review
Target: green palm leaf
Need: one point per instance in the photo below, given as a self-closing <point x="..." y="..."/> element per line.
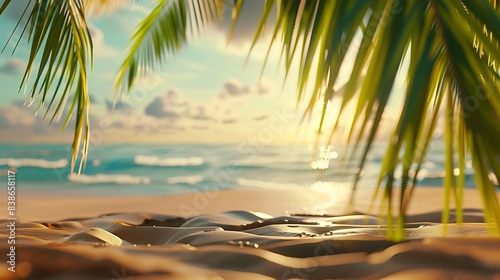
<point x="62" y="46"/>
<point x="164" y="32"/>
<point x="452" y="48"/>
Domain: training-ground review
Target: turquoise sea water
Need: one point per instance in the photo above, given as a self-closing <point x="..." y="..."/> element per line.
<point x="168" y="169"/>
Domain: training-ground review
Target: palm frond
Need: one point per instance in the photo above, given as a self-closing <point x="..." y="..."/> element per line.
<point x="61" y="45"/>
<point x="164" y="32"/>
<point x="452" y="48"/>
<point x="4" y="6"/>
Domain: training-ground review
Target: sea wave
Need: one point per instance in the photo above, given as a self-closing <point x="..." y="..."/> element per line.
<point x="190" y="180"/>
<point x="176" y="161"/>
<point x="119" y="179"/>
<point x="33" y="162"/>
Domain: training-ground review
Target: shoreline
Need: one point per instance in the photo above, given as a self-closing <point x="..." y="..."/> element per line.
<point x="37" y="206"/>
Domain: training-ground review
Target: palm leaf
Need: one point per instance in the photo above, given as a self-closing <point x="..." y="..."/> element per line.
<point x="62" y="46"/>
<point x="164" y="32"/>
<point x="4" y="6"/>
<point x="452" y="49"/>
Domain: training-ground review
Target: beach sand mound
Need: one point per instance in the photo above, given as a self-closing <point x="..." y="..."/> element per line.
<point x="250" y="245"/>
<point x="150" y="238"/>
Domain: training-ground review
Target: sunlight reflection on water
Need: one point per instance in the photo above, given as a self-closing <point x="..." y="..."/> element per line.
<point x="337" y="192"/>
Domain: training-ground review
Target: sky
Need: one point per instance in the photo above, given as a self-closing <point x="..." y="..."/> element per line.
<point x="208" y="93"/>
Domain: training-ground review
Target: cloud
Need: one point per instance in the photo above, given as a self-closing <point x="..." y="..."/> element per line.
<point x="93" y="99"/>
<point x="101" y="49"/>
<point x="15" y="116"/>
<point x="14" y="67"/>
<point x="261" y="118"/>
<point x="119" y="106"/>
<point x="171" y="105"/>
<point x="22" y="120"/>
<point x="234" y="88"/>
<point x="201" y="114"/>
<point x="229" y="121"/>
<point x="173" y="110"/>
<point x="146" y="125"/>
<point x="265" y="86"/>
<point x="134" y="121"/>
<point x="159" y="109"/>
<point x="200" y="127"/>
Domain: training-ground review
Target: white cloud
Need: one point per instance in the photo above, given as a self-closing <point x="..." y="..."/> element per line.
<point x="200" y="113"/>
<point x="158" y="109"/>
<point x="171" y="105"/>
<point x="200" y="127"/>
<point x="118" y="106"/>
<point x="101" y="49"/>
<point x="141" y="123"/>
<point x="175" y="107"/>
<point x="260" y="117"/>
<point x="15" y="117"/>
<point x="265" y="86"/>
<point x="234" y="88"/>
<point x="229" y="121"/>
<point x="18" y="122"/>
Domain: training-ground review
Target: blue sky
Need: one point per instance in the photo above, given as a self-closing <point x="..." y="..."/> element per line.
<point x="205" y="94"/>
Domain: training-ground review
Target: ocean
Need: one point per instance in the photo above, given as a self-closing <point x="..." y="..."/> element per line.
<point x="137" y="170"/>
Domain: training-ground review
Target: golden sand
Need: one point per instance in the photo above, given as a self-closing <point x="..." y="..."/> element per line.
<point x="244" y="234"/>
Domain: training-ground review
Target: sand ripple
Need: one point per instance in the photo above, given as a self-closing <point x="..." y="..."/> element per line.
<point x="250" y="245"/>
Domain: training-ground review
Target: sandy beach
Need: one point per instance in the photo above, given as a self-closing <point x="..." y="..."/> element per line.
<point x="243" y="234"/>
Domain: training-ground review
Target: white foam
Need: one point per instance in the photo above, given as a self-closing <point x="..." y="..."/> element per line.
<point x="191" y="180"/>
<point x="266" y="185"/>
<point x="120" y="179"/>
<point x="33" y="162"/>
<point x="177" y="161"/>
